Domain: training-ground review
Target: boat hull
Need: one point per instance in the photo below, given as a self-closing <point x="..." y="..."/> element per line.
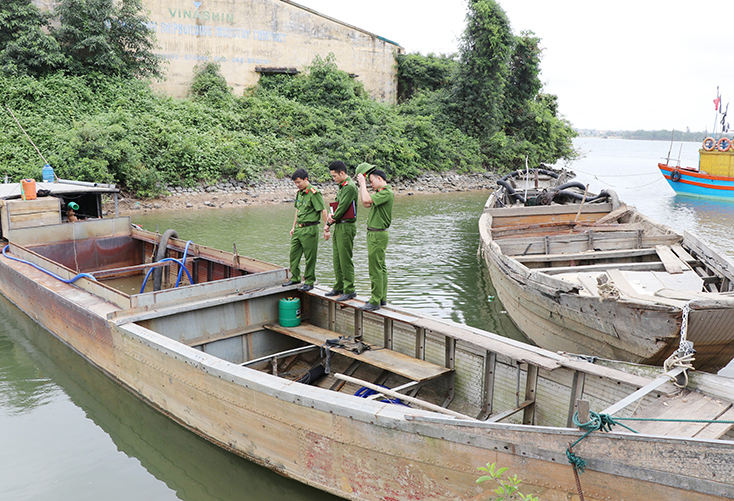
<point x="350" y="447"/>
<point x="698" y="184"/>
<point x="635" y="328"/>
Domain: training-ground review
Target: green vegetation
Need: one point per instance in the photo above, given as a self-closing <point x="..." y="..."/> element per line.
<point x="507" y="488"/>
<point x="76" y="80"/>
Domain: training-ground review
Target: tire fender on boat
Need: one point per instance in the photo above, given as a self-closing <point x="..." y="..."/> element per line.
<point x="675" y="175"/>
<point x="724" y="144"/>
<point x="709" y="143"/>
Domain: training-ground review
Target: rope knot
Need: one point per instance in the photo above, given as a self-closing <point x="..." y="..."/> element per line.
<point x="577" y="463"/>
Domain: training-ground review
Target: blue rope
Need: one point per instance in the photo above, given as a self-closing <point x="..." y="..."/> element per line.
<point x="69" y="281"/>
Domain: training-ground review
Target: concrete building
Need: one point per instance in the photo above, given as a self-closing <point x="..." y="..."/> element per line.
<point x="251" y="37"/>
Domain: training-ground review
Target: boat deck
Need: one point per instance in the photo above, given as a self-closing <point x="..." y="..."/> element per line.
<point x="686" y="405"/>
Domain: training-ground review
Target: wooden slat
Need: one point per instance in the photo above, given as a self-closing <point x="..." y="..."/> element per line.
<point x="716" y="431"/>
<point x="586" y="256"/>
<point x="652" y="266"/>
<point x="687" y="405"/>
<point x="671" y="262"/>
<point x="393" y="361"/>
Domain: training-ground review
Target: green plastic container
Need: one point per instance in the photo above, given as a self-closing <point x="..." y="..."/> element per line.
<point x="289" y="310"/>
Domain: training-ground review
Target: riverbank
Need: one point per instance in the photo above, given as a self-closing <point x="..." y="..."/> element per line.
<point x="271" y="190"/>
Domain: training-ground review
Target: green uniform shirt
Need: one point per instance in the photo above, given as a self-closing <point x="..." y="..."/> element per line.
<point x="381" y="211"/>
<point x="346" y="196"/>
<point x="309" y="204"/>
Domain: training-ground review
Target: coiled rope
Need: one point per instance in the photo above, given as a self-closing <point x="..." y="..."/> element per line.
<point x="684" y="355"/>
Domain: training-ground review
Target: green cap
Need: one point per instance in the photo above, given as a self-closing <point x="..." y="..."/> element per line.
<point x="365" y="168"/>
<point x="73" y="205"/>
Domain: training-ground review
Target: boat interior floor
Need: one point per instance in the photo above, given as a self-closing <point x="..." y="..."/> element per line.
<point x="685" y="405"/>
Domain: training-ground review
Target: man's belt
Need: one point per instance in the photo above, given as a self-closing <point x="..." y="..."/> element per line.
<point x="345" y="221"/>
<point x="303" y="225"/>
<point x="376" y="229"/>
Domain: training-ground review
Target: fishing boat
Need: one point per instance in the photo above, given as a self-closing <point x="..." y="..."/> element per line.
<point x="713" y="177"/>
<point x="588" y="274"/>
<point x="391" y="404"/>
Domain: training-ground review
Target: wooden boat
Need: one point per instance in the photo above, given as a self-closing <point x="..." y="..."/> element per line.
<point x="712" y="178"/>
<point x="589" y="275"/>
<point x="213" y="356"/>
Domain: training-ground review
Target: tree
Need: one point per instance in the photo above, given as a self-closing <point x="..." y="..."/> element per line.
<point x="418" y="73"/>
<point x="479" y="88"/>
<point x="26" y="48"/>
<point x="107" y="36"/>
<point x="497" y="94"/>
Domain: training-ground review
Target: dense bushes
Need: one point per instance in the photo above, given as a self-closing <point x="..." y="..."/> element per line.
<point x="95" y="120"/>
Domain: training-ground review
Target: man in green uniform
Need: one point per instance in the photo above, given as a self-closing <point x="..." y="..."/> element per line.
<point x="340" y="225"/>
<point x="380" y="204"/>
<point x="305" y="232"/>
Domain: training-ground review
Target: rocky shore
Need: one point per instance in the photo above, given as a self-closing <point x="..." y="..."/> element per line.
<point x="271" y="190"/>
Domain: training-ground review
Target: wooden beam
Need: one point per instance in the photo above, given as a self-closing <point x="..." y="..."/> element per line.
<point x="634" y="397"/>
<point x="412" y="400"/>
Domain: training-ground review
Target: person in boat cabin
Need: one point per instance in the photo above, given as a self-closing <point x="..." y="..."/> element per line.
<point x="305" y="231"/>
<point x="341" y="227"/>
<point x="380" y="203"/>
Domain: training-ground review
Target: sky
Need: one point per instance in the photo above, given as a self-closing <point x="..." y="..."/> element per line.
<point x="623" y="65"/>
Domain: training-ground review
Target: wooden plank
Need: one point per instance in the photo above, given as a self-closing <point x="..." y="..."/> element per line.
<point x="393" y="361"/>
<point x="685" y="405"/>
<point x="683" y="254"/>
<point x="615" y="215"/>
<point x="716" y="431"/>
<point x="671" y="262"/>
<point x="546" y="210"/>
<point x="587" y="255"/>
<point x="504" y="415"/>
<point x="651" y="266"/>
<point x="394" y="394"/>
<point x="634" y="397"/>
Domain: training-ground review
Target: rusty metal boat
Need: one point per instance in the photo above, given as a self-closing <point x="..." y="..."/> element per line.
<point x="391" y="404"/>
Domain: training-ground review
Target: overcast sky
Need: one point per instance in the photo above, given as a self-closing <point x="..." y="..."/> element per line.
<point x="643" y="64"/>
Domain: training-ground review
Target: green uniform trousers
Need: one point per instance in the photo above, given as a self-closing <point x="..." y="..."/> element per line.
<point x="342" y="236"/>
<point x="376" y="246"/>
<point x="304" y="242"/>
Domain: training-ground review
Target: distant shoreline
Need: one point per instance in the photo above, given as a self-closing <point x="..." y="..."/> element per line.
<point x="272" y="190"/>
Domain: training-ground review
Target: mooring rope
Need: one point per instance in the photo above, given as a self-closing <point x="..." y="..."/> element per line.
<point x="684" y="355"/>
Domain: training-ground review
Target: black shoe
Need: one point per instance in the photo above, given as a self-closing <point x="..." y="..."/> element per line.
<point x="347" y="297"/>
<point x="369" y="307"/>
<point x="383" y="303"/>
<point x="332" y="292"/>
<point x="291" y="282"/>
<point x="305" y="287"/>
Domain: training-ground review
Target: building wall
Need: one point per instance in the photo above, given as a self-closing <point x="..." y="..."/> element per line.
<point x="244" y="34"/>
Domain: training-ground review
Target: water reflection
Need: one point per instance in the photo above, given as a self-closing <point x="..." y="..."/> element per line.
<point x="84" y="437"/>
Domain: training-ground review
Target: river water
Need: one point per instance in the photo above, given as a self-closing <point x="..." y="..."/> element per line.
<point x="68" y="433"/>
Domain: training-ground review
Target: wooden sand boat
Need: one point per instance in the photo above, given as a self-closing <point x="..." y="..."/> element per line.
<point x="586" y="274"/>
<point x="213" y="356"/>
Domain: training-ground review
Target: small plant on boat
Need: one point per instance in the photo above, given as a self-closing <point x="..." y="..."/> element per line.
<point x="508" y="488"/>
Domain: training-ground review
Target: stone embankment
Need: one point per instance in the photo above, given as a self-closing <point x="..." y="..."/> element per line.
<point x="271" y="190"/>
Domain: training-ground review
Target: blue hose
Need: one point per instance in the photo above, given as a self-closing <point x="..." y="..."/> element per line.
<point x="142" y="289"/>
<point x="69" y="281"/>
<point x="182" y="268"/>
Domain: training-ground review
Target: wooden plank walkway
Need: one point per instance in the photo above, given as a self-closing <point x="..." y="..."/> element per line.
<point x="393" y="361"/>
